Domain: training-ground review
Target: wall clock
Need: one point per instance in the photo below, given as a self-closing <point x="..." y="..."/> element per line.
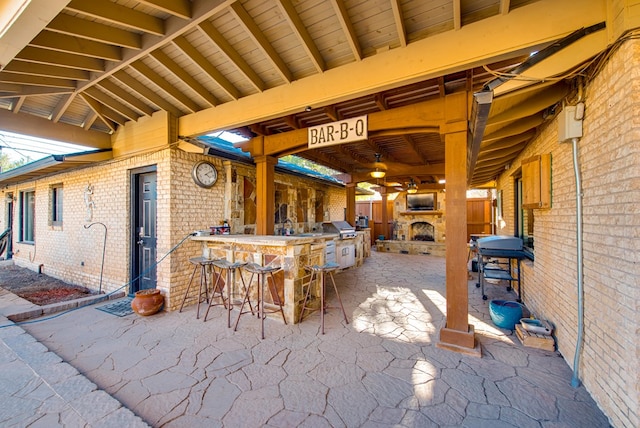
<point x="204" y="174"/>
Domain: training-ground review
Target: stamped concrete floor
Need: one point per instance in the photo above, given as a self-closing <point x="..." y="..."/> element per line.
<point x="382" y="369"/>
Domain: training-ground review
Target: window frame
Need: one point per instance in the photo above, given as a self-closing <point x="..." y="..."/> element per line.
<point x="27" y="233"/>
<point x="56" y="204"/>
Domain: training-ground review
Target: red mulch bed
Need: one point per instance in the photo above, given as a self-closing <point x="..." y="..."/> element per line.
<point x="38" y="288"/>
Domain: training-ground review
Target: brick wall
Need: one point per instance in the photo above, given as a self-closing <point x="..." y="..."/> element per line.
<point x="609" y="157"/>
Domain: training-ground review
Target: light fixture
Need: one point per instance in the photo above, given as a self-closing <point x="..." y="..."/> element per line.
<point x="380" y="168"/>
<point x="412" y="187"/>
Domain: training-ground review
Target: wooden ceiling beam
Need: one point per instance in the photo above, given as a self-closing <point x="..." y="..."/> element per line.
<point x="76" y="45"/>
<point x="508" y="141"/>
<point x="104" y="10"/>
<point x="203" y="63"/>
<point x="347" y="28"/>
<point x="61" y="107"/>
<point x="531" y="106"/>
<point x="504" y="6"/>
<point x="291" y="15"/>
<point x="43" y="128"/>
<point x="17" y="104"/>
<point x="61" y="59"/>
<point x="426" y="114"/>
<point x="112" y="103"/>
<point x="232" y="55"/>
<point x="25" y="79"/>
<point x="89" y="120"/>
<point x="23" y="67"/>
<point x="27" y="91"/>
<point x="185" y="77"/>
<point x="165" y="86"/>
<point x="515" y="128"/>
<point x="74" y="26"/>
<point x="396" y="7"/>
<point x="457" y="15"/>
<point x="489" y="157"/>
<point x="104" y="113"/>
<point x="145" y="92"/>
<point x="179" y="8"/>
<point x="261" y="41"/>
<point x="126" y="96"/>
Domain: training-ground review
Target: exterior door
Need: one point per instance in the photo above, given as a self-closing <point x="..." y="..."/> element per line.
<point x="144" y="230"/>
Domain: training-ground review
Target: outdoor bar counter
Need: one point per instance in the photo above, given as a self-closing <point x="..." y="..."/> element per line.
<point x="291" y="253"/>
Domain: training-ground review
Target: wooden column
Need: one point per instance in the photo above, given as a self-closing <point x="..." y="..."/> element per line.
<point x="456" y="334"/>
<point x="351" y="203"/>
<point x="385" y="213"/>
<point x="265" y="195"/>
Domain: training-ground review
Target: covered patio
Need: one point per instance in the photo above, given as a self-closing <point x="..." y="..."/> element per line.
<point x="382" y="369"/>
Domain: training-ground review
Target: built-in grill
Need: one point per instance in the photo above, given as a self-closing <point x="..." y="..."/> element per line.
<point x="342" y="228"/>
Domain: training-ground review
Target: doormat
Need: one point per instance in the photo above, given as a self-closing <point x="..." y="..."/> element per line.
<point x="120" y="308"/>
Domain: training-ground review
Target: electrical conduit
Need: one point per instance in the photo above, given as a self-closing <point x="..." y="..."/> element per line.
<point x="575" y="380"/>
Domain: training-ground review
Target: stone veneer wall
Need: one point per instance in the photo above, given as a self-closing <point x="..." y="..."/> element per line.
<point x="609" y="156"/>
<point x="404" y="219"/>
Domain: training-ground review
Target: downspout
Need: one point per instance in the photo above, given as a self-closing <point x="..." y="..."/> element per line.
<point x="575" y="380"/>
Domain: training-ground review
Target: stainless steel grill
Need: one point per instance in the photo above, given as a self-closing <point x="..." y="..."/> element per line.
<point x="342" y="228"/>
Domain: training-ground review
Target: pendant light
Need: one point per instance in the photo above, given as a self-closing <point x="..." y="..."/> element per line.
<point x="412" y="187"/>
<point x="380" y="168"/>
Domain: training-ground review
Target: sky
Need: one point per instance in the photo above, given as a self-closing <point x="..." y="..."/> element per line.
<point x="18" y="146"/>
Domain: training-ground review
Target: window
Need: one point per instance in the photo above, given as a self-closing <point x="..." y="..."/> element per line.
<point x="27" y="215"/>
<point x="55" y="205"/>
<point x="524" y="217"/>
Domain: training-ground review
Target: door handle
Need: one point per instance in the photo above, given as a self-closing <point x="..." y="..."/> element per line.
<point x="140" y="242"/>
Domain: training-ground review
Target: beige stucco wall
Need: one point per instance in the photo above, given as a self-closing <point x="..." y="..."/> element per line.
<point x="609" y="155"/>
<point x="73" y="253"/>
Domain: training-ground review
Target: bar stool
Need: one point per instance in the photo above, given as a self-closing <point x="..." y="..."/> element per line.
<point x="202" y="263"/>
<point x="326" y="269"/>
<point x="262" y="272"/>
<point x="230" y="279"/>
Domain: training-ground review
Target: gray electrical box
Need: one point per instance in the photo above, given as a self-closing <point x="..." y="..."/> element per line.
<point x="568" y="126"/>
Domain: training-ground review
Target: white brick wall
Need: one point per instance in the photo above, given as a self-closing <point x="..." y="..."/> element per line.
<point x="609" y="155"/>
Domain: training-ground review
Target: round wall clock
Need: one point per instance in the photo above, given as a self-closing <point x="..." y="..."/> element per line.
<point x="204" y="174"/>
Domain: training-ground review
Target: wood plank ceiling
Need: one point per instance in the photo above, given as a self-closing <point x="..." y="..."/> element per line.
<point x="99" y="64"/>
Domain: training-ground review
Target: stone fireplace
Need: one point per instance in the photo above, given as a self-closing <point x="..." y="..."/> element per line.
<point x="421" y="231"/>
<point x="416" y="231"/>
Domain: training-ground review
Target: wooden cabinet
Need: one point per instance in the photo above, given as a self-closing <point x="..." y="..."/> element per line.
<point x="536" y="182"/>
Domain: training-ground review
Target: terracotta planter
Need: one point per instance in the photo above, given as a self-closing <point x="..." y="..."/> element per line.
<point x="147" y="302"/>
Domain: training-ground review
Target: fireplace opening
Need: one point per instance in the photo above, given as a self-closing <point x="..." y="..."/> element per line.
<point x="422" y="231"/>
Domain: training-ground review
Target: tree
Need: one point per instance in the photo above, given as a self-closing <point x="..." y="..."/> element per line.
<point x="7" y="164"/>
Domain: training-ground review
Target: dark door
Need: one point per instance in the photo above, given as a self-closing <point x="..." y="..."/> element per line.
<point x="144" y="231"/>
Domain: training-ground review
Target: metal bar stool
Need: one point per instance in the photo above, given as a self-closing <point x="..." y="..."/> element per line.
<point x="202" y="263"/>
<point x="262" y="272"/>
<point x="326" y="269"/>
<point x="231" y="268"/>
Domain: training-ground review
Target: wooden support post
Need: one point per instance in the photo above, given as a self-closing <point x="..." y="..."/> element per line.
<point x="351" y="204"/>
<point x="456" y="334"/>
<point x="265" y="197"/>
<point x="385" y="213"/>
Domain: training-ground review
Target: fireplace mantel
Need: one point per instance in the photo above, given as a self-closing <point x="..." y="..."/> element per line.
<point x="421" y="213"/>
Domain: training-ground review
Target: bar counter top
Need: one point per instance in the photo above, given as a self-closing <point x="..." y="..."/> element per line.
<point x="271" y="240"/>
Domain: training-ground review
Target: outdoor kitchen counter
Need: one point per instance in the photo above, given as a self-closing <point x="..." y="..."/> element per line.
<point x="292" y="253"/>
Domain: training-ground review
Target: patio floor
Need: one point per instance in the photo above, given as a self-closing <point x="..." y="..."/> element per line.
<point x="382" y="369"/>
